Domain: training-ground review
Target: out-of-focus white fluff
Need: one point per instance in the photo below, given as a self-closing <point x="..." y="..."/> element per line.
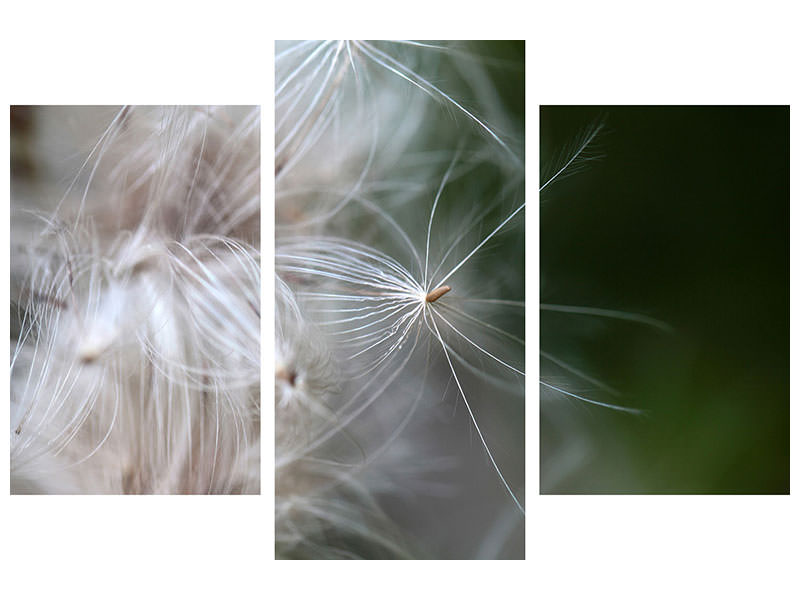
<point x="389" y="178"/>
<point x="135" y="354"/>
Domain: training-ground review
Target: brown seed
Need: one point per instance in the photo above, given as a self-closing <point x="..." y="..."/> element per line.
<point x="287" y="375"/>
<point x="437" y="293"/>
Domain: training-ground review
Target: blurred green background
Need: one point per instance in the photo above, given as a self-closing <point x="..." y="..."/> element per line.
<point x="683" y="215"/>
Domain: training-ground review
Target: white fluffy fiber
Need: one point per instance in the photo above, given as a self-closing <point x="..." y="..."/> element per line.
<point x="399" y="413"/>
<point x="135" y="353"/>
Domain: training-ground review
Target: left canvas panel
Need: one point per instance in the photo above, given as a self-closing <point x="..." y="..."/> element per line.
<point x="135" y="300"/>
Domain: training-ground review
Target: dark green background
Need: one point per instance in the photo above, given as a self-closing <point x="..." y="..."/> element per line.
<point x="684" y="218"/>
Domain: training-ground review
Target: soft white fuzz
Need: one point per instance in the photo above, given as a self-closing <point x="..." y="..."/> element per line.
<point x="400" y="270"/>
<point x="135" y="294"/>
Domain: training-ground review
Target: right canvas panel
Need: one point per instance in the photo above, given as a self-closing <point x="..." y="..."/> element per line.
<point x="664" y="299"/>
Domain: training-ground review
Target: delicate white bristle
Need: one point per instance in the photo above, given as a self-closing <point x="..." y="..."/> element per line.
<point x="136" y="365"/>
<point x="390" y="188"/>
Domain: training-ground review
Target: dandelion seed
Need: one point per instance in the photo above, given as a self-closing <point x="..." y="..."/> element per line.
<point x="358" y="284"/>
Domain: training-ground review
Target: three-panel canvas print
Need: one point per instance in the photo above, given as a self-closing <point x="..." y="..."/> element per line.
<point x="398" y="253"/>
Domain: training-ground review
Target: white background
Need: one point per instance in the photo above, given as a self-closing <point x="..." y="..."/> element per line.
<point x="222" y="53"/>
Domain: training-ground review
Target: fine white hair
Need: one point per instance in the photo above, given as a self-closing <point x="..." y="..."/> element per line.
<point x="400" y="306"/>
<point x="135" y="352"/>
